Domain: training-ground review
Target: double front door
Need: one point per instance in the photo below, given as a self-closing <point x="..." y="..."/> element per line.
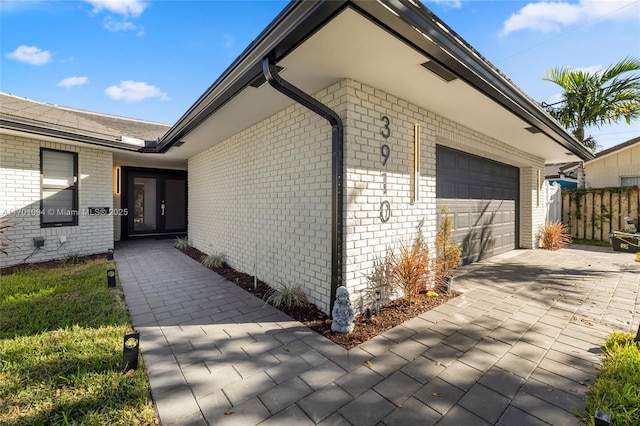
<point x="156" y="202"/>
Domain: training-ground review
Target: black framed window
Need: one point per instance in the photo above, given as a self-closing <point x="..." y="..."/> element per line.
<point x="58" y="188"/>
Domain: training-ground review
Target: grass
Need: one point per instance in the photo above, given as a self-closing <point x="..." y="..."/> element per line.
<point x="587" y="242"/>
<point x="61" y="332"/>
<point x="616" y="390"/>
<point x="553" y="236"/>
<point x="286" y="295"/>
<point x="215" y="260"/>
<point x="410" y="269"/>
<point x="181" y="243"/>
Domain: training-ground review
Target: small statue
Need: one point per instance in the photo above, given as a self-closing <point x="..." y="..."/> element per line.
<point x="342" y="312"/>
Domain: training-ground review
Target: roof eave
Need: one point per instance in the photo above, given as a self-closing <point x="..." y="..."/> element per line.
<point x="33" y="129"/>
<point x="467" y="64"/>
<point x="300" y="19"/>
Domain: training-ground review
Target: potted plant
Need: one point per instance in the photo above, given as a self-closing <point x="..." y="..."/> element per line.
<point x="447" y="253"/>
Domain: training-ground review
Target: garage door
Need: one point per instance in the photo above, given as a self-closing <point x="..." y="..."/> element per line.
<point x="482" y="198"/>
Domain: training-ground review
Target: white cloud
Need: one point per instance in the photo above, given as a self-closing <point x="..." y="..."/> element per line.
<point x="548" y="16"/>
<point x="30" y="55"/>
<point x="115" y="26"/>
<point x="125" y="8"/>
<point x="73" y="81"/>
<point x="591" y="69"/>
<point x="456" y="4"/>
<point x="134" y="91"/>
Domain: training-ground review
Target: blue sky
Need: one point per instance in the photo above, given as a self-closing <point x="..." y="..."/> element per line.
<point x="153" y="59"/>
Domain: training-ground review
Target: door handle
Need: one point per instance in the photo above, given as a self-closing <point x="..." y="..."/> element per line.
<point x="162" y="208"/>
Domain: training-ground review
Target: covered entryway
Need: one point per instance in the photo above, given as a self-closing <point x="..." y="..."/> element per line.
<point x="156" y="202"/>
<point x="482" y="198"/>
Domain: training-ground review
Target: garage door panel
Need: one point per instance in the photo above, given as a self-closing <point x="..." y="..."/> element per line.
<point x="481" y="196"/>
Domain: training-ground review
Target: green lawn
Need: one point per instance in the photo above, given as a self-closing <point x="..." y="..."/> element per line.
<point x="616" y="390"/>
<point x="61" y="333"/>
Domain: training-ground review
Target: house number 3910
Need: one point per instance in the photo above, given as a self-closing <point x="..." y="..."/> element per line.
<point x="385" y="153"/>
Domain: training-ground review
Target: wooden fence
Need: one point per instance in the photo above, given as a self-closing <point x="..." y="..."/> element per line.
<point x="593" y="213"/>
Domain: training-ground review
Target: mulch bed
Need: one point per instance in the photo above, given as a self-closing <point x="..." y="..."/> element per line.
<point x="391" y="314"/>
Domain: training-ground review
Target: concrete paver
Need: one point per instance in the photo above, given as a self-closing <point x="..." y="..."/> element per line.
<point x="517" y="348"/>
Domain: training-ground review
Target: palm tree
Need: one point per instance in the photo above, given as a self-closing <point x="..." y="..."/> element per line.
<point x="595" y="99"/>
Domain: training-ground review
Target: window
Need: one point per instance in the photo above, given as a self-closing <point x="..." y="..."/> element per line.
<point x="630" y="181"/>
<point x="59" y="188"/>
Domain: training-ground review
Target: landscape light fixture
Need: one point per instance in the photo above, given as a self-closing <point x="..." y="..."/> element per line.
<point x="601" y="418"/>
<point x="110" y="254"/>
<point x="130" y="350"/>
<point x="111" y="278"/>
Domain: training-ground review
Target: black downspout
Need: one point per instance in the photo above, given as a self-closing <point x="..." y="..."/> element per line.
<point x="337" y="167"/>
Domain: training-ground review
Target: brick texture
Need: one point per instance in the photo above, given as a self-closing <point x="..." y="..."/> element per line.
<point x="20" y="191"/>
<point x="367" y="237"/>
<point x="263" y="195"/>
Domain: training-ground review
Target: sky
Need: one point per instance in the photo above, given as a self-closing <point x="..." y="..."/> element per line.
<point x="153" y="59"/>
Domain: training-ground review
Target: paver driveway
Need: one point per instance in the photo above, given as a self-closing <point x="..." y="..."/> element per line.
<point x="517" y="348"/>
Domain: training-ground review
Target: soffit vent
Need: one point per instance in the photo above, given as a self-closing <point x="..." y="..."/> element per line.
<point x="439" y="70"/>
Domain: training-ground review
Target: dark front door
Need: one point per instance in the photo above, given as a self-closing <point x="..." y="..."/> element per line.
<point x="156" y="201"/>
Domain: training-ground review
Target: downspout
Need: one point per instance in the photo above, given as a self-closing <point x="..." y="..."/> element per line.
<point x="337" y="167"/>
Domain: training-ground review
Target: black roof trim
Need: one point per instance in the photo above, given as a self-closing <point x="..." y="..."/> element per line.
<point x="60" y="134"/>
<point x="294" y="24"/>
<point x="300" y="19"/>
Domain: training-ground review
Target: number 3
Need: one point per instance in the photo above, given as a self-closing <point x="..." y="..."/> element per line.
<point x="386" y="131"/>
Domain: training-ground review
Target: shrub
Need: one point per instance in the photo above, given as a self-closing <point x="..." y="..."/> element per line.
<point x="287" y="295"/>
<point x="553" y="236"/>
<point x="181" y="243"/>
<point x="214" y="260"/>
<point x="616" y="390"/>
<point x="411" y="268"/>
<point x="379" y="289"/>
<point x="447" y="252"/>
<point x="72" y="259"/>
<point x="4" y="240"/>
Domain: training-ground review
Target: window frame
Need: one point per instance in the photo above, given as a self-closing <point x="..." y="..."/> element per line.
<point x="630" y="177"/>
<point x="74" y="187"/>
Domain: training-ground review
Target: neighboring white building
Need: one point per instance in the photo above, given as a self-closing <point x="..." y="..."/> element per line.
<point x="336" y="134"/>
<point x="615" y="166"/>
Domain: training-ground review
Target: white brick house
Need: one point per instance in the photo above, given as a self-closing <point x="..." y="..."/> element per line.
<point x="340" y="131"/>
<point x="57" y="168"/>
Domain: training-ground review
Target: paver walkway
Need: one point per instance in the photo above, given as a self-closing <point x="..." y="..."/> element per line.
<point x="517" y="348"/>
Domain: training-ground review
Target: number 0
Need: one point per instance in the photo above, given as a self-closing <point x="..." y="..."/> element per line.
<point x="385" y="211"/>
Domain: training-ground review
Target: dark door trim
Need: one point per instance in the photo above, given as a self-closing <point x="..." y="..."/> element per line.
<point x="126" y="223"/>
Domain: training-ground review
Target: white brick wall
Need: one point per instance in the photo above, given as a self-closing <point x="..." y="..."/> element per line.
<point x="20" y="175"/>
<point x="367" y="237"/>
<point x="263" y="197"/>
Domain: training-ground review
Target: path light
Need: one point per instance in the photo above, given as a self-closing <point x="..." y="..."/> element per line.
<point x="130" y="350"/>
<point x="110" y="254"/>
<point x="378" y="301"/>
<point x="111" y="277"/>
<point x="602" y="419"/>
